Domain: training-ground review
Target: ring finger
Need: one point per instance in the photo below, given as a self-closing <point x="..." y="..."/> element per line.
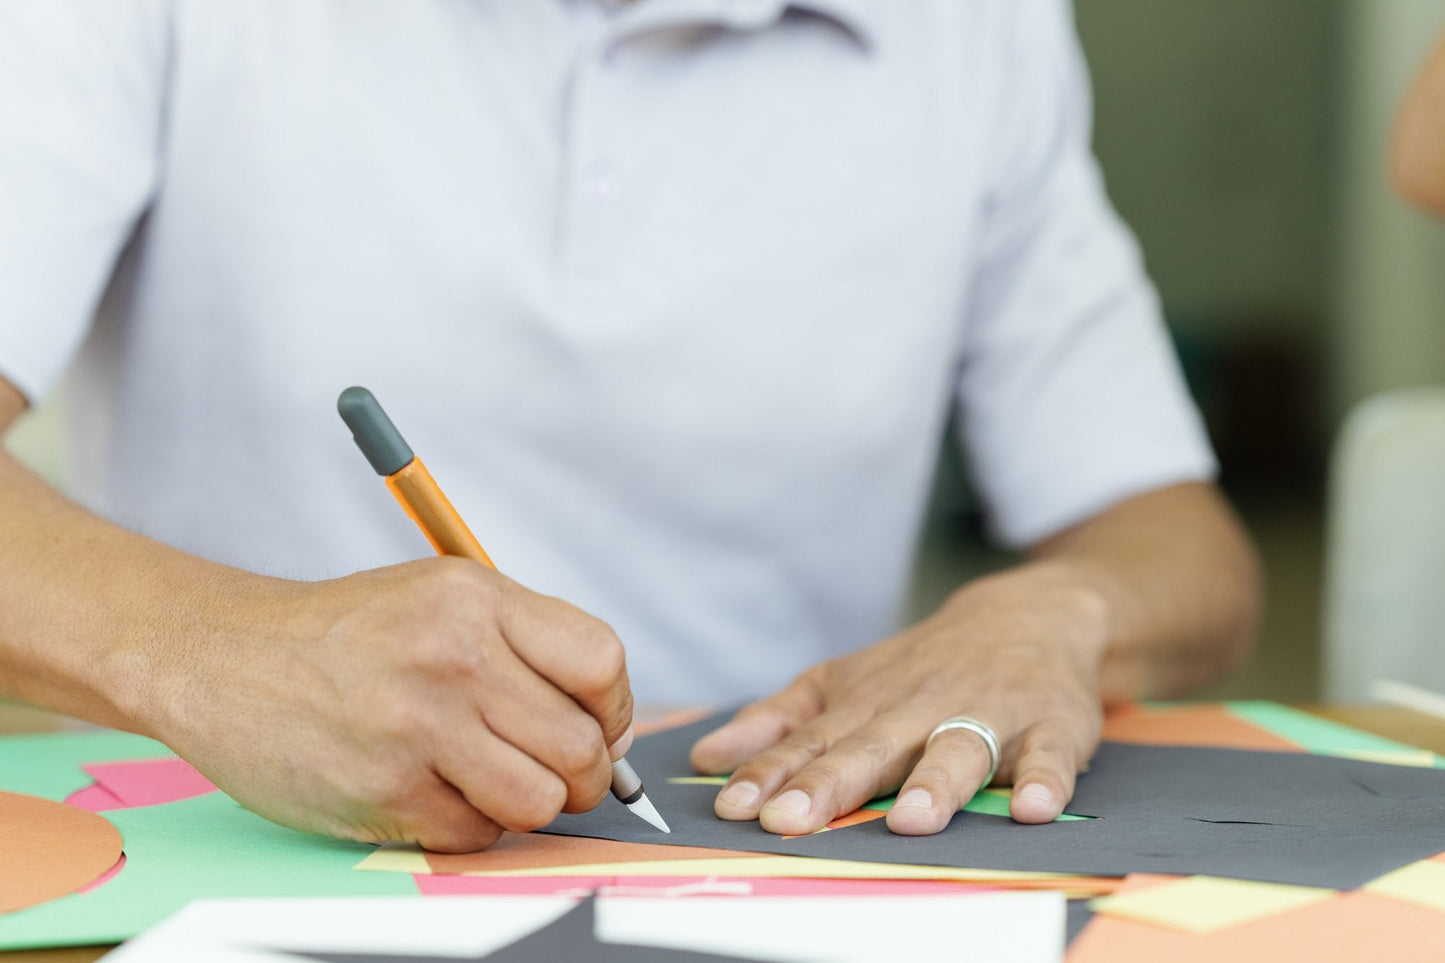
<point x="954" y="766"/>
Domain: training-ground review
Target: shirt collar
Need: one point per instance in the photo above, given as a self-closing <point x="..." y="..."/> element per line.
<point x="860" y="18"/>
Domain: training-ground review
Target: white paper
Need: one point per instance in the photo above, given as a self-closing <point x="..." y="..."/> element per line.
<point x="993" y="927"/>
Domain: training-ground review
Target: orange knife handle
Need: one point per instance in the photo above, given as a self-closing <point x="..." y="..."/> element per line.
<point x="424" y="501"/>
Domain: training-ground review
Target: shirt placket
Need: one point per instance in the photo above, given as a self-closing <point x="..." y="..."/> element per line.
<point x="593" y="168"/>
<point x="599" y="168"/>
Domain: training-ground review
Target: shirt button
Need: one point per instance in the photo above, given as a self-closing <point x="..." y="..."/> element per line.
<point x="601" y="181"/>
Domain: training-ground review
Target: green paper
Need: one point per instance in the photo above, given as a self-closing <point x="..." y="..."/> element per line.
<point x="994" y="802"/>
<point x="48" y="764"/>
<point x="202" y="847"/>
<point x="1311" y="733"/>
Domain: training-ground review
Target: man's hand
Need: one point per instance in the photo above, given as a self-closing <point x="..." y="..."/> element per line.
<point x="436" y="702"/>
<point x="1149" y="597"/>
<point x="1020" y="652"/>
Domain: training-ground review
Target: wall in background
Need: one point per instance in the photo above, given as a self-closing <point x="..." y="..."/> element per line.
<point x="1213" y="124"/>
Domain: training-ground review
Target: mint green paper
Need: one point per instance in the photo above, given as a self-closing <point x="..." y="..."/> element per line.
<point x="993" y="802"/>
<point x="206" y="846"/>
<point x="48" y="764"/>
<point x="1311" y="733"/>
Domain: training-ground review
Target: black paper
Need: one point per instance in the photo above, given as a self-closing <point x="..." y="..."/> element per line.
<point x="1273" y="816"/>
<point x="1077" y="917"/>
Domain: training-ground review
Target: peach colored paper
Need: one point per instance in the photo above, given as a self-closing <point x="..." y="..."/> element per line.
<point x="538" y="850"/>
<point x="1358" y="927"/>
<point x="1196" y="725"/>
<point x="704" y="886"/>
<point x="50" y="850"/>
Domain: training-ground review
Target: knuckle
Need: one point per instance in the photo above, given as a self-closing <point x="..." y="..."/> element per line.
<point x="578" y="761"/>
<point x="578" y="750"/>
<point x="621" y="715"/>
<point x="401" y="720"/>
<point x="606" y="662"/>
<point x="933" y="775"/>
<point x="452" y="581"/>
<point x="809" y="741"/>
<point x="587" y="792"/>
<point x="390" y="792"/>
<point x="871" y="752"/>
<point x="822" y="776"/>
<point x="759" y="771"/>
<point x="539" y="808"/>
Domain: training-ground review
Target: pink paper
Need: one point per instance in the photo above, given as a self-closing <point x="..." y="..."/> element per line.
<point x="457" y="885"/>
<point x="97" y="799"/>
<point x="148" y="782"/>
<point x="105" y="877"/>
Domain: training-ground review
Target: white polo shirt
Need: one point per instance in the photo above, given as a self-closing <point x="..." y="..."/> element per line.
<point x="674" y="297"/>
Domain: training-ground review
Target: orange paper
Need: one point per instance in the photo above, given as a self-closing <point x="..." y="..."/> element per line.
<point x="50" y="850"/>
<point x="538" y="850"/>
<point x="1357" y="927"/>
<point x="1199" y="725"/>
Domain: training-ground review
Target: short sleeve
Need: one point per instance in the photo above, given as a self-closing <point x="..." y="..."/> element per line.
<point x="81" y="102"/>
<point x="1070" y="396"/>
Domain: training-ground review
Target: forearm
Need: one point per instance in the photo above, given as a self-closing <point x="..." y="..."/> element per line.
<point x="1418" y="153"/>
<point x="94" y="619"/>
<point x="1177" y="584"/>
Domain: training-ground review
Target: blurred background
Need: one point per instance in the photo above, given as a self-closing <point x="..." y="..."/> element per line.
<point x="1246" y="142"/>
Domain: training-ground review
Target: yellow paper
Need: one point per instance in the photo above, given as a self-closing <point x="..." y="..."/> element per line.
<point x="794" y="867"/>
<point x="1421" y="883"/>
<point x="1203" y="904"/>
<point x="395" y="858"/>
<point x="1421" y="758"/>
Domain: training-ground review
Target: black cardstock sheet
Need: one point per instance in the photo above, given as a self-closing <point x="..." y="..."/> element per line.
<point x="1279" y="817"/>
<point x="572" y="936"/>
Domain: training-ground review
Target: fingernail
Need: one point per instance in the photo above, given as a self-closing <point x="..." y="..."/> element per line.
<point x="794" y="801"/>
<point x="1037" y="793"/>
<point x="921" y="798"/>
<point x="740" y="794"/>
<point x="619" y="748"/>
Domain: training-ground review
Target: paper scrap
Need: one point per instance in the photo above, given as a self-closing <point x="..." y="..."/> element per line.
<point x="457" y="885"/>
<point x="1314" y="734"/>
<point x="395" y="858"/>
<point x="1421" y="883"/>
<point x="538" y="855"/>
<point x="204" y="846"/>
<point x="993" y="800"/>
<point x="572" y="936"/>
<point x="1358" y="927"/>
<point x="1204" y="724"/>
<point x="50" y="850"/>
<point x="149" y="782"/>
<point x="48" y="764"/>
<point x="1203" y="904"/>
<point x="999" y="927"/>
<point x="96" y="799"/>
<point x="1420" y="758"/>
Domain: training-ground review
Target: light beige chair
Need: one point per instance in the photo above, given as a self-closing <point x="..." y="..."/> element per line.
<point x="1384" y="603"/>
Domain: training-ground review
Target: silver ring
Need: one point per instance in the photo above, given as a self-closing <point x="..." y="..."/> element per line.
<point x="977" y="728"/>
